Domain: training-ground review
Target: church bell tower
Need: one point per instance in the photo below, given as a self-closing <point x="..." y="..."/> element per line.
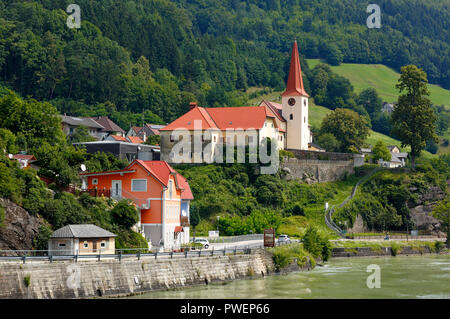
<point x="295" y="106"/>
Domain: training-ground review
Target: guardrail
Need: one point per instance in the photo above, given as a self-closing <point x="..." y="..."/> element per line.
<point x="29" y="255"/>
<point x="119" y="254"/>
<point x="232" y="239"/>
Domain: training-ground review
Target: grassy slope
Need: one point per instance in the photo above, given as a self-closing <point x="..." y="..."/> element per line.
<point x="383" y="79"/>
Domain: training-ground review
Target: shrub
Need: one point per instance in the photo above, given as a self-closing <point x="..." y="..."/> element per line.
<point x="281" y="258"/>
<point x="438" y="246"/>
<point x="40" y="242"/>
<point x="130" y="239"/>
<point x="27" y="280"/>
<point x="2" y="215"/>
<point x="317" y="244"/>
<point x="124" y="214"/>
<point x="284" y="153"/>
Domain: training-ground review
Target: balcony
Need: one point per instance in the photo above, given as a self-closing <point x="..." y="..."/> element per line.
<point x="184" y="221"/>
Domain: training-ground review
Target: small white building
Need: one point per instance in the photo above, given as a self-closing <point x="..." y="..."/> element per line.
<point x="85" y="239"/>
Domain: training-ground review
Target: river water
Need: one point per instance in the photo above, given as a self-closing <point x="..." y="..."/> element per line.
<point x="400" y="277"/>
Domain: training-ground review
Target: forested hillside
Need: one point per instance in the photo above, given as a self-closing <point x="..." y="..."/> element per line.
<point x="157" y="55"/>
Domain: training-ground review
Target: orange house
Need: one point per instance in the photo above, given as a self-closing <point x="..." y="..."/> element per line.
<point x="161" y="195"/>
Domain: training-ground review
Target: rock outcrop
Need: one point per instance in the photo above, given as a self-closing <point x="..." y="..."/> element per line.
<point x="19" y="228"/>
<point x="422" y="208"/>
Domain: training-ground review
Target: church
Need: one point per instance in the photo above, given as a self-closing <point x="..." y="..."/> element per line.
<point x="286" y="123"/>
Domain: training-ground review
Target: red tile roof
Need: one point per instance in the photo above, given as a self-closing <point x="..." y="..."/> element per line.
<point x="109" y="126"/>
<point x="245" y="117"/>
<point x="295" y="81"/>
<point x="118" y="138"/>
<point x="222" y="118"/>
<point x="178" y="229"/>
<point x="161" y="171"/>
<point x="135" y="139"/>
<point x="186" y="121"/>
<point x="25" y="157"/>
<point x="137" y="129"/>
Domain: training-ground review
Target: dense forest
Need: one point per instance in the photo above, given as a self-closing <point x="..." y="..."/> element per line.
<point x="154" y="56"/>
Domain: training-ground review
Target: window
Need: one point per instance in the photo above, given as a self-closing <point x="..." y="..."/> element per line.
<point x="291" y="117"/>
<point x="85" y="244"/>
<point x="94" y="181"/>
<point x="250" y="139"/>
<point x="304" y="119"/>
<point x="71" y="130"/>
<point x="265" y="124"/>
<point x="103" y="244"/>
<point x="172" y="138"/>
<point x="138" y="185"/>
<point x="304" y="102"/>
<point x="214" y="138"/>
<point x="170" y="189"/>
<point x="61" y="245"/>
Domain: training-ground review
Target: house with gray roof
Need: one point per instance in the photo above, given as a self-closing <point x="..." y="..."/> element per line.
<point x="85" y="239"/>
<point x="71" y="123"/>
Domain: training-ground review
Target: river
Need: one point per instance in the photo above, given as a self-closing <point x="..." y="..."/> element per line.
<point x="400" y="277"/>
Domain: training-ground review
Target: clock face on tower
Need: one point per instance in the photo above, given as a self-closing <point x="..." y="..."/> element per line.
<point x="291" y="101"/>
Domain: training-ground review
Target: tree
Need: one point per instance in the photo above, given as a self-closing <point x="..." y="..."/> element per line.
<point x="370" y="100"/>
<point x="381" y="151"/>
<point x="194" y="218"/>
<point x="125" y="214"/>
<point x="442" y="212"/>
<point x="347" y="127"/>
<point x="413" y="120"/>
<point x="328" y="142"/>
<point x="153" y="140"/>
<point x="81" y="135"/>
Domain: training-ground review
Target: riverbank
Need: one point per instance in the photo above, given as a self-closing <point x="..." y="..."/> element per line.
<point x="385" y="251"/>
<point x="385" y="248"/>
<point x="89" y="279"/>
<point x="413" y="276"/>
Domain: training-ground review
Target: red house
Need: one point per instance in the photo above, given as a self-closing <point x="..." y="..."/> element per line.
<point x="161" y="195"/>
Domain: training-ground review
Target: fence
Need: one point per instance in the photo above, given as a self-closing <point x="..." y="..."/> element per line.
<point x="30" y="255"/>
<point x="232" y="239"/>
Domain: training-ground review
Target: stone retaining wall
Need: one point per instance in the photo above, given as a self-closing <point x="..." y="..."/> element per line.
<point x="86" y="279"/>
<point x="316" y="170"/>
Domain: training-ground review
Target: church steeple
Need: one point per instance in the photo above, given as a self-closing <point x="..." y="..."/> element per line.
<point x="294" y="85"/>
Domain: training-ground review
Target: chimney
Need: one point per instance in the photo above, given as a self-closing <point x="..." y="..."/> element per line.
<point x="192" y="105"/>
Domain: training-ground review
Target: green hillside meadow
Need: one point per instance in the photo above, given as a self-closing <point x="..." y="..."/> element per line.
<point x="382" y="78"/>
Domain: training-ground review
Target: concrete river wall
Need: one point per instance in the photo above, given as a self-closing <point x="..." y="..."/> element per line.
<point x="85" y="279"/>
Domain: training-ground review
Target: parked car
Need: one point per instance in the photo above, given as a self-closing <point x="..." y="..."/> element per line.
<point x="284" y="239"/>
<point x="202" y="241"/>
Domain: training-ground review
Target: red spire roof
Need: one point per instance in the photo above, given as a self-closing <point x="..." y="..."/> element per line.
<point x="295" y="82"/>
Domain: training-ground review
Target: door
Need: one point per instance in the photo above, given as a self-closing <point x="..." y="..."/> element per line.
<point x="116" y="189"/>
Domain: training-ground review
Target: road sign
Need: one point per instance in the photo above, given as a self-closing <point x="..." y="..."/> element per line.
<point x="269" y="237"/>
